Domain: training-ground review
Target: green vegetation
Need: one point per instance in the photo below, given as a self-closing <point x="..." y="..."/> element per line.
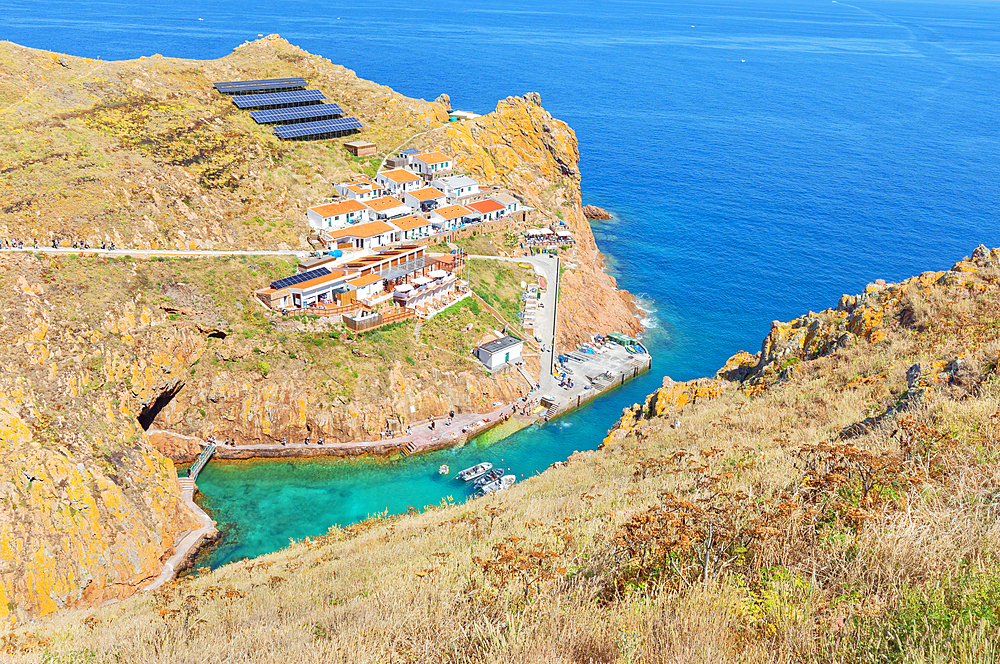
<point x="498" y="283"/>
<point x="481" y="244"/>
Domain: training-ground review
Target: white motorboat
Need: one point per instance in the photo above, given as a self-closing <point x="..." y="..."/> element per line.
<point x="475" y="471"/>
<point x="504" y="482"/>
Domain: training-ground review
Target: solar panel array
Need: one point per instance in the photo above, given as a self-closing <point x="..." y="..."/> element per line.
<point x="236" y="87"/>
<point x="314" y="128"/>
<point x="300" y="113"/>
<point x="278" y="98"/>
<point x="299" y="278"/>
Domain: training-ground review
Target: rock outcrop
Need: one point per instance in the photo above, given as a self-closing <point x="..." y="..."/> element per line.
<point x="522" y="147"/>
<point x="865" y="319"/>
<point x="594" y="212"/>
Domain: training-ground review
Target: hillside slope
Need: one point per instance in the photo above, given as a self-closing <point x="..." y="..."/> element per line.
<point x="832" y="499"/>
<point x="145" y="154"/>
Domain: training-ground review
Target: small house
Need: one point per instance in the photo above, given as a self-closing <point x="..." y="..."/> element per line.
<point x="431" y="164"/>
<point x="361" y="148"/>
<point x="488" y="210"/>
<point x="387" y="207"/>
<point x="509" y="203"/>
<point x="457" y="188"/>
<point x="372" y="235"/>
<point x="499" y="353"/>
<point x="414" y="227"/>
<point x="336" y="215"/>
<point x="399" y="181"/>
<point x="425" y="199"/>
<point x="450" y="217"/>
<point x="368" y="286"/>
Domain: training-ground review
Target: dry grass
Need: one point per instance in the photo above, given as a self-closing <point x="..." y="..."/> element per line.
<point x="875" y="547"/>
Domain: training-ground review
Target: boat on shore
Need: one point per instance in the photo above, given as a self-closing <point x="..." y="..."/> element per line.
<point x="475" y="471"/>
<point x="488" y="477"/>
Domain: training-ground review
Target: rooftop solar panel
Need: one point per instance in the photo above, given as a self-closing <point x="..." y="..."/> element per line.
<point x="300" y="113"/>
<point x="298" y="97"/>
<point x="234" y="87"/>
<point x="316" y="128"/>
<point x="299" y="278"/>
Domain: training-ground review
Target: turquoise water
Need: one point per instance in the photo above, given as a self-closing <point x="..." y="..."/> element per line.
<point x="762" y="157"/>
<point x="261" y="504"/>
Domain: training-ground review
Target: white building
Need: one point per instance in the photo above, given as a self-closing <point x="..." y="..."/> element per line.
<point x="509" y="203"/>
<point x="333" y="216"/>
<point x="414" y="227"/>
<point x="398" y="181"/>
<point x="425" y="199"/>
<point x="386" y="208"/>
<point x="450" y="217"/>
<point x="457" y="188"/>
<point x="488" y="210"/>
<point x="359" y="190"/>
<point x="368" y="286"/>
<point x="372" y="235"/>
<point x="499" y="353"/>
<point x="431" y="164"/>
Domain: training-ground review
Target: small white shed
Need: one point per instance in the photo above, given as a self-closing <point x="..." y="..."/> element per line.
<point x="503" y="351"/>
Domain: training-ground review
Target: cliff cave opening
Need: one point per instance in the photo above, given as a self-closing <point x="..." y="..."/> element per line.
<point x="149" y="413"/>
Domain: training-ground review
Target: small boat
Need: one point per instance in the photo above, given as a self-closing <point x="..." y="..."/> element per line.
<point x="491" y="476"/>
<point x="475" y="471"/>
<point x="499" y="485"/>
<point x="443" y="470"/>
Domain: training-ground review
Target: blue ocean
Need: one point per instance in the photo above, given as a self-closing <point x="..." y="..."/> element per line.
<point x="761" y="159"/>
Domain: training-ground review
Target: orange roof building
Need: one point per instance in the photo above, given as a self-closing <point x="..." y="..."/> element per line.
<point x="336" y="215"/>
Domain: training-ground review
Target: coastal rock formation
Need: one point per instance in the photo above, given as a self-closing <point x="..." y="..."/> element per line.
<point x="865" y="319"/>
<point x="523" y="148"/>
<point x="88" y="508"/>
<point x="594" y="212"/>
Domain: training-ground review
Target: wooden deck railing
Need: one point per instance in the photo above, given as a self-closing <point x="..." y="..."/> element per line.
<point x="379" y="320"/>
<point x="339" y="310"/>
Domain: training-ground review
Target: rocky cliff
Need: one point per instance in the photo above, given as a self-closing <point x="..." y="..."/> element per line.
<point x="858" y="321"/>
<point x="88" y="508"/>
<point x="520" y="146"/>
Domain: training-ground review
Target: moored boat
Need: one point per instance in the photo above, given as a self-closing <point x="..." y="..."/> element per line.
<point x="475" y="471"/>
<point x="443" y="470"/>
<point x="491" y="476"/>
<point x="499" y="485"/>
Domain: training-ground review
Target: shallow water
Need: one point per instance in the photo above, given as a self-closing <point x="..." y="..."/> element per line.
<point x="262" y="504"/>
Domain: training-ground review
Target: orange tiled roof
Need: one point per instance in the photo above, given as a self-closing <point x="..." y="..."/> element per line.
<point x="384" y="203"/>
<point x="426" y="194"/>
<point x="333" y="209"/>
<point x="432" y="157"/>
<point x="371" y="229"/>
<point x="361" y="282"/>
<point x="409" y="223"/>
<point x="487" y="206"/>
<point x="400" y="175"/>
<point x="452" y="211"/>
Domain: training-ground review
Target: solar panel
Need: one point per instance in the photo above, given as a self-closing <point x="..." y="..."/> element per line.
<point x="298" y="97"/>
<point x="231" y="87"/>
<point x="314" y="128"/>
<point x="299" y="278"/>
<point x="300" y="113"/>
